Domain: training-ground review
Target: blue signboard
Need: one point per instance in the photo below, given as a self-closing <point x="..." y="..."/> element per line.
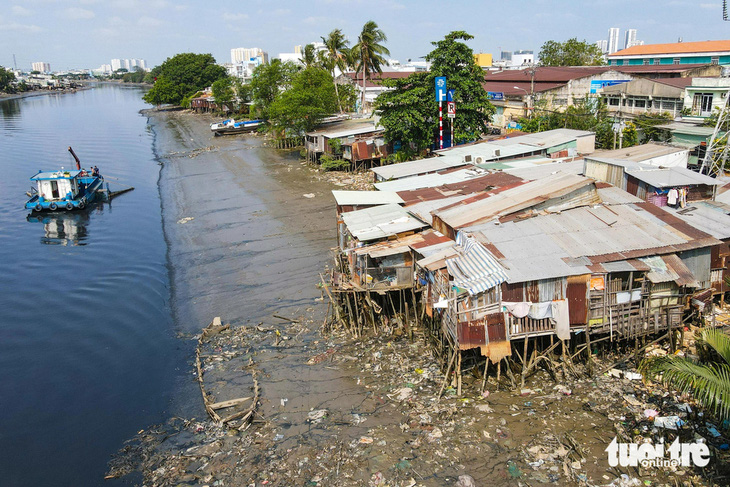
<point x="602" y="83"/>
<point x="450" y="95"/>
<point x="440" y="88"/>
<point x="495" y="95"/>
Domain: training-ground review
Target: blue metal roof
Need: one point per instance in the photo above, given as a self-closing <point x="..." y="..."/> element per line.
<point x="49" y="175"/>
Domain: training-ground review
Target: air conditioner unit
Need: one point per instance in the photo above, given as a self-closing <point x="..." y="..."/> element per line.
<point x="497" y="152"/>
<point x="479" y="160"/>
<point x="467" y="158"/>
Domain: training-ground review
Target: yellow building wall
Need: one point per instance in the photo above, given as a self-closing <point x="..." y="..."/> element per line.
<point x="483" y="60"/>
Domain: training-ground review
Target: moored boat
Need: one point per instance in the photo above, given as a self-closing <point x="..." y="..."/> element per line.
<point x="230" y="126"/>
<point x="64" y="189"/>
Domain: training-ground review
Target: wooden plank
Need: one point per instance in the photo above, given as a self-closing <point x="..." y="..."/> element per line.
<point x="229" y="403"/>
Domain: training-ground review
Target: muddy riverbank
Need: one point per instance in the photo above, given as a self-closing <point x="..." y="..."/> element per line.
<point x="248" y="230"/>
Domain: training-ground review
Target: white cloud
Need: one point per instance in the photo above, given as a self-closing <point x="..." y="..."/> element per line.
<point x="710" y="6"/>
<point x="88" y="2"/>
<point x="229" y="17"/>
<point x="149" y="22"/>
<point x="281" y="11"/>
<point x="77" y="13"/>
<point x="21" y="11"/>
<point x="14" y="26"/>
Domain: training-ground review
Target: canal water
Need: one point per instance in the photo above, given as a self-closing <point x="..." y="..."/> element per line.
<point x="88" y="351"/>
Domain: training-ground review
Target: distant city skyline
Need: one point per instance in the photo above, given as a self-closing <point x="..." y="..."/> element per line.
<point x="84" y="34"/>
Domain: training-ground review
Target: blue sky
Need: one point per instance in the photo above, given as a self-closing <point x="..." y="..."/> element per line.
<point x="87" y="33"/>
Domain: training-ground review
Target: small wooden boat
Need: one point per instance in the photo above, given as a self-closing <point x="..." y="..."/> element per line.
<point x="230" y="126"/>
<point x="64" y="189"/>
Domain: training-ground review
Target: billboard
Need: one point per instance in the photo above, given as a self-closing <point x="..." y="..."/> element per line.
<point x="597" y="84"/>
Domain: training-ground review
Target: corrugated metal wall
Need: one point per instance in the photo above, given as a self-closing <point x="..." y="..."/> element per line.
<point x="609" y="173"/>
<point x="577" y="294"/>
<point x="698" y="261"/>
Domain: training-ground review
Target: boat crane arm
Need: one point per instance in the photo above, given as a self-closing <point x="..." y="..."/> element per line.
<point x="78" y="162"/>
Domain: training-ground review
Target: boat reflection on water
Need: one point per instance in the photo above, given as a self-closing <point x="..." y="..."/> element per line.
<point x="67" y="228"/>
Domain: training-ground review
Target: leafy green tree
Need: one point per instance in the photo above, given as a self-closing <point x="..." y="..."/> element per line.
<point x="223" y="93"/>
<point x="646" y="123"/>
<point x="369" y="53"/>
<point x="152" y="75"/>
<point x="6" y="79"/>
<point x="163" y="92"/>
<point x="133" y="77"/>
<point x="409" y="113"/>
<point x="706" y="378"/>
<point x="570" y="53"/>
<point x="186" y="74"/>
<point x="268" y="81"/>
<point x="630" y="135"/>
<point x="346" y="97"/>
<point x="584" y="114"/>
<point x="336" y="44"/>
<point x="303" y="106"/>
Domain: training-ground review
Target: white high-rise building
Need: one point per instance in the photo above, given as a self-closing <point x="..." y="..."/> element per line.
<point x="245" y="55"/>
<point x="245" y="60"/>
<point x="602" y="45"/>
<point x="41" y="67"/>
<point x="613" y="34"/>
<point x="116" y="64"/>
<point x="630" y="38"/>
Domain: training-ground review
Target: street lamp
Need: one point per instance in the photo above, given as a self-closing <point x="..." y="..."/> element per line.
<point x="529" y="100"/>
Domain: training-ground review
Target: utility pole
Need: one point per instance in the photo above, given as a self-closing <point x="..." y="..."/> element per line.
<point x="15" y="63"/>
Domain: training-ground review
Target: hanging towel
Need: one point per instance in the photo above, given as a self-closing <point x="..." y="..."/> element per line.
<point x="539" y="311"/>
<point x="672" y="197"/>
<point x="561" y="318"/>
<point x="517" y="309"/>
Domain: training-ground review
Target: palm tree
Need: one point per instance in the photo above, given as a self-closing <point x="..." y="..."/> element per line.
<point x="309" y="56"/>
<point x="369" y="52"/>
<point x="707" y="380"/>
<point x="336" y="44"/>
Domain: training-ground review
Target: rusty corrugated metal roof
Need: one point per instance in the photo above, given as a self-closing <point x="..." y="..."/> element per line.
<point x="553" y="245"/>
<point x="512" y="200"/>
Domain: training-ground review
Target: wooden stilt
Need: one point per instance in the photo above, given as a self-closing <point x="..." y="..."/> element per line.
<point x="446" y="377"/>
<point x="499" y="372"/>
<point x="458" y="374"/>
<point x="484" y="379"/>
<point x="524" y="363"/>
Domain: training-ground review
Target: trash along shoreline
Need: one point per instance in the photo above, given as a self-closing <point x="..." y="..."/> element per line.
<point x="382" y="409"/>
<point x="412" y="431"/>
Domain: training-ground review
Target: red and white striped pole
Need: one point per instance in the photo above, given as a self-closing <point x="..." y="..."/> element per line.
<point x="441" y="123"/>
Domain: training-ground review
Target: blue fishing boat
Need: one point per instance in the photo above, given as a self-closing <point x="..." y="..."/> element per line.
<point x="64" y="189"/>
<point x="230" y="126"/>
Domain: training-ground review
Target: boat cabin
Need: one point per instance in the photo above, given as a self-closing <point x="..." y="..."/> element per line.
<point x="56" y="185"/>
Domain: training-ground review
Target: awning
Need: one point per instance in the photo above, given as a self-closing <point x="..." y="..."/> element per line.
<point x="476" y="270"/>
